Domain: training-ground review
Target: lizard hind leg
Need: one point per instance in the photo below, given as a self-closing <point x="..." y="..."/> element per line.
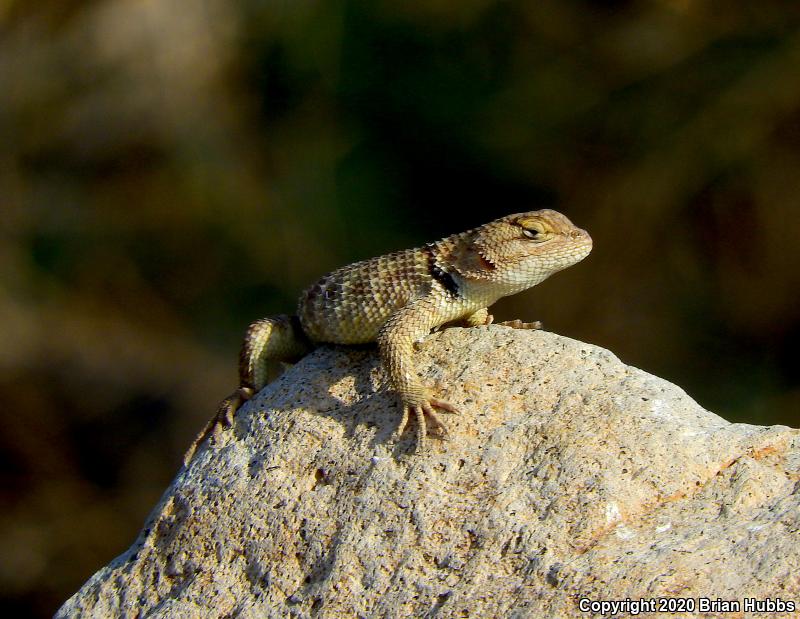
<point x="267" y="341"/>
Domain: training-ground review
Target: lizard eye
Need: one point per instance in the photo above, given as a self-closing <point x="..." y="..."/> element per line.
<point x="531" y="234"/>
<point x="533" y="228"/>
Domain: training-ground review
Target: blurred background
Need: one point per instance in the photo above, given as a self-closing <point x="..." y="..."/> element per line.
<point x="171" y="170"/>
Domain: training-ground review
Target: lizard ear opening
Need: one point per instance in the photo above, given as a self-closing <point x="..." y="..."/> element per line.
<point x="485" y="249"/>
<point x="474" y="258"/>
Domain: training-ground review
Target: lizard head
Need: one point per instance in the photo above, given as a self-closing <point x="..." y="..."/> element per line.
<point x="525" y="248"/>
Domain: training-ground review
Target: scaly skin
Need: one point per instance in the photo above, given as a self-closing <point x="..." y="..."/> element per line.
<point x="395" y="300"/>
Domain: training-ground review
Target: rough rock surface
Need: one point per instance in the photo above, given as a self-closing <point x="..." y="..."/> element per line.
<point x="567" y="475"/>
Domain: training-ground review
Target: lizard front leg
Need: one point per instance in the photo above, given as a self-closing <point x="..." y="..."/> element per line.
<point x="478" y="318"/>
<point x="396" y="344"/>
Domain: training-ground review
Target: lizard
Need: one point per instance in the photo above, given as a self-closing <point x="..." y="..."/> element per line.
<point x="397" y="299"/>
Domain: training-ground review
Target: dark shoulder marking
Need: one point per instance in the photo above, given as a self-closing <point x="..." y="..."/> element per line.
<point x="439" y="274"/>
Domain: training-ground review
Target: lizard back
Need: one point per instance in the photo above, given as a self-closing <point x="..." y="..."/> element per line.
<point x="351" y="304"/>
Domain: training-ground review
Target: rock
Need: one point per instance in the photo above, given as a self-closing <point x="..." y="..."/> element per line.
<point x="567" y="475"/>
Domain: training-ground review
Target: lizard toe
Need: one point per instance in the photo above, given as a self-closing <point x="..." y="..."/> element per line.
<point x="401" y="427"/>
<point x="444" y="406"/>
<point x="427" y="421"/>
<point x="222" y="420"/>
<point x="422" y="430"/>
<point x="436" y="427"/>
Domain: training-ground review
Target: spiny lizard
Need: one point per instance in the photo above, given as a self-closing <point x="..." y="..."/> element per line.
<point x="397" y="299"/>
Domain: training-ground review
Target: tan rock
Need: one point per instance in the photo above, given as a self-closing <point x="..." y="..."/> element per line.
<point x="568" y="475"/>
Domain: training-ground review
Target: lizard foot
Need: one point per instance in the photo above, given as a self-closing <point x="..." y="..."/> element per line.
<point x="222" y="420"/>
<point x="421" y="411"/>
<point x="518" y="324"/>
